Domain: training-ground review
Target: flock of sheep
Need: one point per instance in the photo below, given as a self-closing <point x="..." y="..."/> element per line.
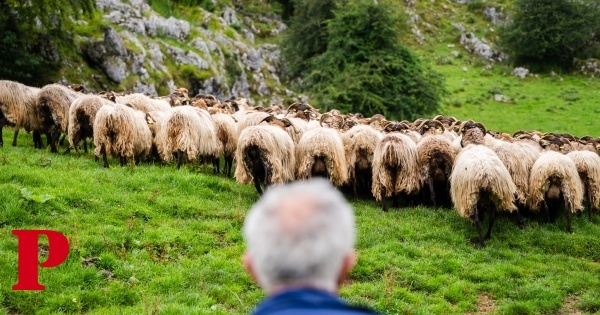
<point x="439" y="162"/>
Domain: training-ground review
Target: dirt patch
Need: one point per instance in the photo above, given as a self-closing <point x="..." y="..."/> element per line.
<point x="485" y="305"/>
<point x="569" y="307"/>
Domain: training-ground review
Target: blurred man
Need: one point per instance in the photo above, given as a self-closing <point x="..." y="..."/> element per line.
<point x="300" y="248"/>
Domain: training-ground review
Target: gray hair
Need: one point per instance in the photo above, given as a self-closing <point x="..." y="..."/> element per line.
<point x="300" y="233"/>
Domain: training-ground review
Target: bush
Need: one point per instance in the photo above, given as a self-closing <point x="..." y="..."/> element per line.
<point x="551" y="33"/>
<point x="365" y="69"/>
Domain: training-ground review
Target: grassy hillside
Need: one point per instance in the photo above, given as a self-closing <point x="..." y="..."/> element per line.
<point x="156" y="240"/>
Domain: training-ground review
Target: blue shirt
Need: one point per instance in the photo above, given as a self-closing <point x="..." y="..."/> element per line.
<point x="307" y="301"/>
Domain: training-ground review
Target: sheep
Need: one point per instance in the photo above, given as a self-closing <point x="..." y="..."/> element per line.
<point x="303" y="111"/>
<point x="121" y="131"/>
<point x="227" y="136"/>
<point x="588" y="167"/>
<point x="18" y="108"/>
<point x="82" y="113"/>
<point x="359" y="147"/>
<point x="155" y="120"/>
<point x="395" y="168"/>
<point x="54" y="101"/>
<point x="250" y="119"/>
<point x="518" y="158"/>
<point x="436" y="157"/>
<point x="187" y="131"/>
<point x="554" y="179"/>
<point x="320" y="152"/>
<point x="480" y="182"/>
<point x="143" y="103"/>
<point x="265" y="156"/>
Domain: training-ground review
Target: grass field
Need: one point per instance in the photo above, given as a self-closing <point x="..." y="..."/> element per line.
<point x="156" y="240"/>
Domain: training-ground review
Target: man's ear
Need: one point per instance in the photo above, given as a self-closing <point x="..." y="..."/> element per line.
<point x="247" y="261"/>
<point x="347" y="265"/>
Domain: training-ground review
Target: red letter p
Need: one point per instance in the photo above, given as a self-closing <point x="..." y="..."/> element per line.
<point x="58" y="250"/>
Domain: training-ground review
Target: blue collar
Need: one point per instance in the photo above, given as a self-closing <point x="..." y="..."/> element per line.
<point x="302" y="300"/>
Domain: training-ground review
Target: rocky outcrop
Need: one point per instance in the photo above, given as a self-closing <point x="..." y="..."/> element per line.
<point x="219" y="52"/>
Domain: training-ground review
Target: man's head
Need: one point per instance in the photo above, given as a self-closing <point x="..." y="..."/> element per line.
<point x="300" y="235"/>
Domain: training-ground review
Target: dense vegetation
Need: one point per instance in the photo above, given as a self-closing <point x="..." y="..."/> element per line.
<point x="29" y="50"/>
<point x="551" y="33"/>
<point x="349" y="55"/>
<point x="157" y="240"/>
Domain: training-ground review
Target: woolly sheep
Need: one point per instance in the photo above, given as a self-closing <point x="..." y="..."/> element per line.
<point x="395" y="168"/>
<point x="265" y="156"/>
<point x="436" y="157"/>
<point x="227" y="137"/>
<point x="18" y="107"/>
<point x="143" y="103"/>
<point x="480" y="181"/>
<point x="121" y="131"/>
<point x="320" y="152"/>
<point x="554" y="177"/>
<point x="187" y="131"/>
<point x="54" y="101"/>
<point x="82" y="113"/>
<point x="359" y="147"/>
<point x="519" y="159"/>
<point x="588" y="167"/>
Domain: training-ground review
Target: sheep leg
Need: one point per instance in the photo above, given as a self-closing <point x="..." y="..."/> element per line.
<point x="546" y="211"/>
<point x="216" y="165"/>
<point x="1" y="139"/>
<point x="520" y="222"/>
<point x="492" y="219"/>
<point x="14" y="144"/>
<point x="383" y="203"/>
<point x="568" y="213"/>
<point x="228" y="164"/>
<point x="62" y="139"/>
<point x="123" y="160"/>
<point x="590" y="209"/>
<point x="85" y="149"/>
<point x="103" y="152"/>
<point x="257" y="186"/>
<point x="179" y="159"/>
<point x="37" y="140"/>
<point x="53" y="141"/>
<point x="431" y="191"/>
<point x="478" y="226"/>
<point x="355" y="191"/>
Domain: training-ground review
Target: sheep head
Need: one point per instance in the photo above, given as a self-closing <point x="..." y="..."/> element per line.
<point x="554" y="143"/>
<point x="274" y="121"/>
<point x="432" y="127"/>
<point x="472" y="133"/>
<point x="332" y="121"/>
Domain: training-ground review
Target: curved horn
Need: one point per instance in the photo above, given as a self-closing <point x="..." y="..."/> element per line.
<point x="482" y="127"/>
<point x="294" y="106"/>
<point x="323" y="118"/>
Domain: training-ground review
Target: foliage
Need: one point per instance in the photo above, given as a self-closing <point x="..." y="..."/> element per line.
<point x="25" y="46"/>
<point x="551" y="33"/>
<point x="365" y="68"/>
<point x="306" y="37"/>
<point x="155" y="239"/>
<point x="30" y="196"/>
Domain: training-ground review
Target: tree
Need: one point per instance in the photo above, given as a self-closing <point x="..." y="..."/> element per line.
<point x="366" y="69"/>
<point x="307" y="33"/>
<point x="549" y="33"/>
<point x="27" y="29"/>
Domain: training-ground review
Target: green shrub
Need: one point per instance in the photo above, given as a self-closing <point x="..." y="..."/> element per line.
<point x="546" y="34"/>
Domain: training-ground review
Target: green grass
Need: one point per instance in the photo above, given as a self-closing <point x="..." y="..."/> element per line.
<point x="156" y="240"/>
<point x="547" y="104"/>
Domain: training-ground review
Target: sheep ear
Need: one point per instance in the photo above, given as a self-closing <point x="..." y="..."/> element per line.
<point x="149" y="120"/>
<point x="286" y="122"/>
<point x="268" y="119"/>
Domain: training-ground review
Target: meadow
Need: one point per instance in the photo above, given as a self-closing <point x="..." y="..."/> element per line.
<point x="157" y="240"/>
